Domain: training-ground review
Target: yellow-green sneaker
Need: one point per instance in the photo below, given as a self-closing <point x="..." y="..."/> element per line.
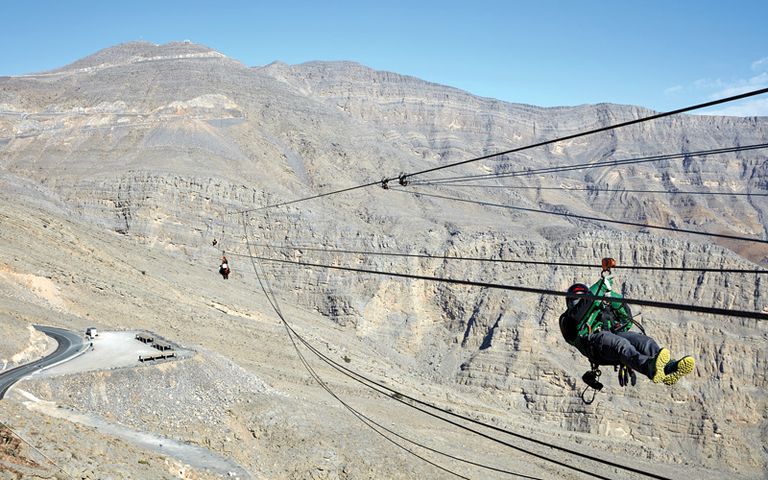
<point x="676" y="370"/>
<point x="662" y="359"/>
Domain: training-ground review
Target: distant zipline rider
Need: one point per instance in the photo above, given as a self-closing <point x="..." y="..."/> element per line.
<point x="224" y="267"/>
<point x="599" y="329"/>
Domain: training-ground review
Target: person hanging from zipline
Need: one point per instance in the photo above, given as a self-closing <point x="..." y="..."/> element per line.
<point x="224" y="267"/>
<point x="600" y="330"/>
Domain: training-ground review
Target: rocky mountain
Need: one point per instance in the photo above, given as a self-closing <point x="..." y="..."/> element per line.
<point x="118" y="171"/>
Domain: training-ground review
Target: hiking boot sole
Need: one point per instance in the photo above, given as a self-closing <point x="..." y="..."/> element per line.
<point x="684" y="367"/>
<point x="661" y="361"/>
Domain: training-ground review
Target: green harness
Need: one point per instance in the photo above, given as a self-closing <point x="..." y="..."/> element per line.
<point x="613" y="316"/>
<point x="605" y="315"/>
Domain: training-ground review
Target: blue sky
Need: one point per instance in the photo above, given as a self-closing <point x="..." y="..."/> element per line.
<point x="658" y="54"/>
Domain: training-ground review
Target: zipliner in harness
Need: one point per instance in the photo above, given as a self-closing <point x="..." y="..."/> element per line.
<point x="224" y="267"/>
<point x="583" y="318"/>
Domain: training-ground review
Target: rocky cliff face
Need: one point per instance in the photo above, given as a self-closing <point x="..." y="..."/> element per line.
<point x="161" y="144"/>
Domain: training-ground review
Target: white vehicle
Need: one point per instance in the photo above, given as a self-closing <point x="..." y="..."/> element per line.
<point x="91" y="332"/>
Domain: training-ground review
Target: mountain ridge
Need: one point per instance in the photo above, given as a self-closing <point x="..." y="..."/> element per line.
<point x="118" y="179"/>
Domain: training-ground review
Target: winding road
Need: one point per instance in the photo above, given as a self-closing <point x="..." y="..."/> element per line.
<point x="70" y="343"/>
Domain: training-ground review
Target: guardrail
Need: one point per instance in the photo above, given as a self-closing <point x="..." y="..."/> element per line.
<point x="145" y="338"/>
<point x="156" y="356"/>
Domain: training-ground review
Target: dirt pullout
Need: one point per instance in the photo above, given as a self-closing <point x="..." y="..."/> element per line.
<point x="110" y="350"/>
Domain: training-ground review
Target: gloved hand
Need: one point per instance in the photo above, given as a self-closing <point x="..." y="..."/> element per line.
<point x="627" y="376"/>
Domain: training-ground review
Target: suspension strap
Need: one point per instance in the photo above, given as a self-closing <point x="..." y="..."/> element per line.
<point x="638" y="324"/>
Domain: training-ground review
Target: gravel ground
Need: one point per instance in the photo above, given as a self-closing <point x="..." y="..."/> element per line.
<point x="42" y="446"/>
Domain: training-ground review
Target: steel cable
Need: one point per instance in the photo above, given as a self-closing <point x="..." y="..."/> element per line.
<point x="541" y="291"/>
<point x="608" y="190"/>
<point x="582" y="217"/>
<point x="399" y="397"/>
<point x="587" y="166"/>
<point x="405" y="176"/>
<point x="272" y="299"/>
<point x="504" y="261"/>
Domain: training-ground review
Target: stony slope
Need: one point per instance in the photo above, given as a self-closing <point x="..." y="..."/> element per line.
<point x="146" y="147"/>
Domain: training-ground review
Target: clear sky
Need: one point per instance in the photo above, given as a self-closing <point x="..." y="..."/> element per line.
<point x="659" y="54"/>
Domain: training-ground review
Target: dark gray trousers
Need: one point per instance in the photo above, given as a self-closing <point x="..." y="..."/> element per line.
<point x="635" y="350"/>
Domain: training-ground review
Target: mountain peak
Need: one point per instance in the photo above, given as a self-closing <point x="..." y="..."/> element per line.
<point x="140" y="51"/>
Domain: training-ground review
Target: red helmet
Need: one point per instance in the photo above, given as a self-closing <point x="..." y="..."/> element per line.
<point x="573" y="292"/>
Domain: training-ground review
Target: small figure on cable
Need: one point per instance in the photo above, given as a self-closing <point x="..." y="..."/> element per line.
<point x="224" y="267"/>
<point x="600" y="330"/>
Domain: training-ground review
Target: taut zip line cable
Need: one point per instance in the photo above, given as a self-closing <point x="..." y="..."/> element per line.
<point x="272" y="299"/>
<point x="395" y="394"/>
<point x="368" y="421"/>
<point x="597" y="130"/>
<point x="405" y="176"/>
<point x="364" y="419"/>
<point x="501" y="260"/>
<point x="541" y="291"/>
<point x="609" y="190"/>
<point x="582" y="217"/>
<point x="402" y="397"/>
<point x="299" y="200"/>
<point x="587" y="166"/>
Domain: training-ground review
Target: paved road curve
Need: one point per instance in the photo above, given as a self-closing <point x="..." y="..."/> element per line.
<point x="70" y="343"/>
